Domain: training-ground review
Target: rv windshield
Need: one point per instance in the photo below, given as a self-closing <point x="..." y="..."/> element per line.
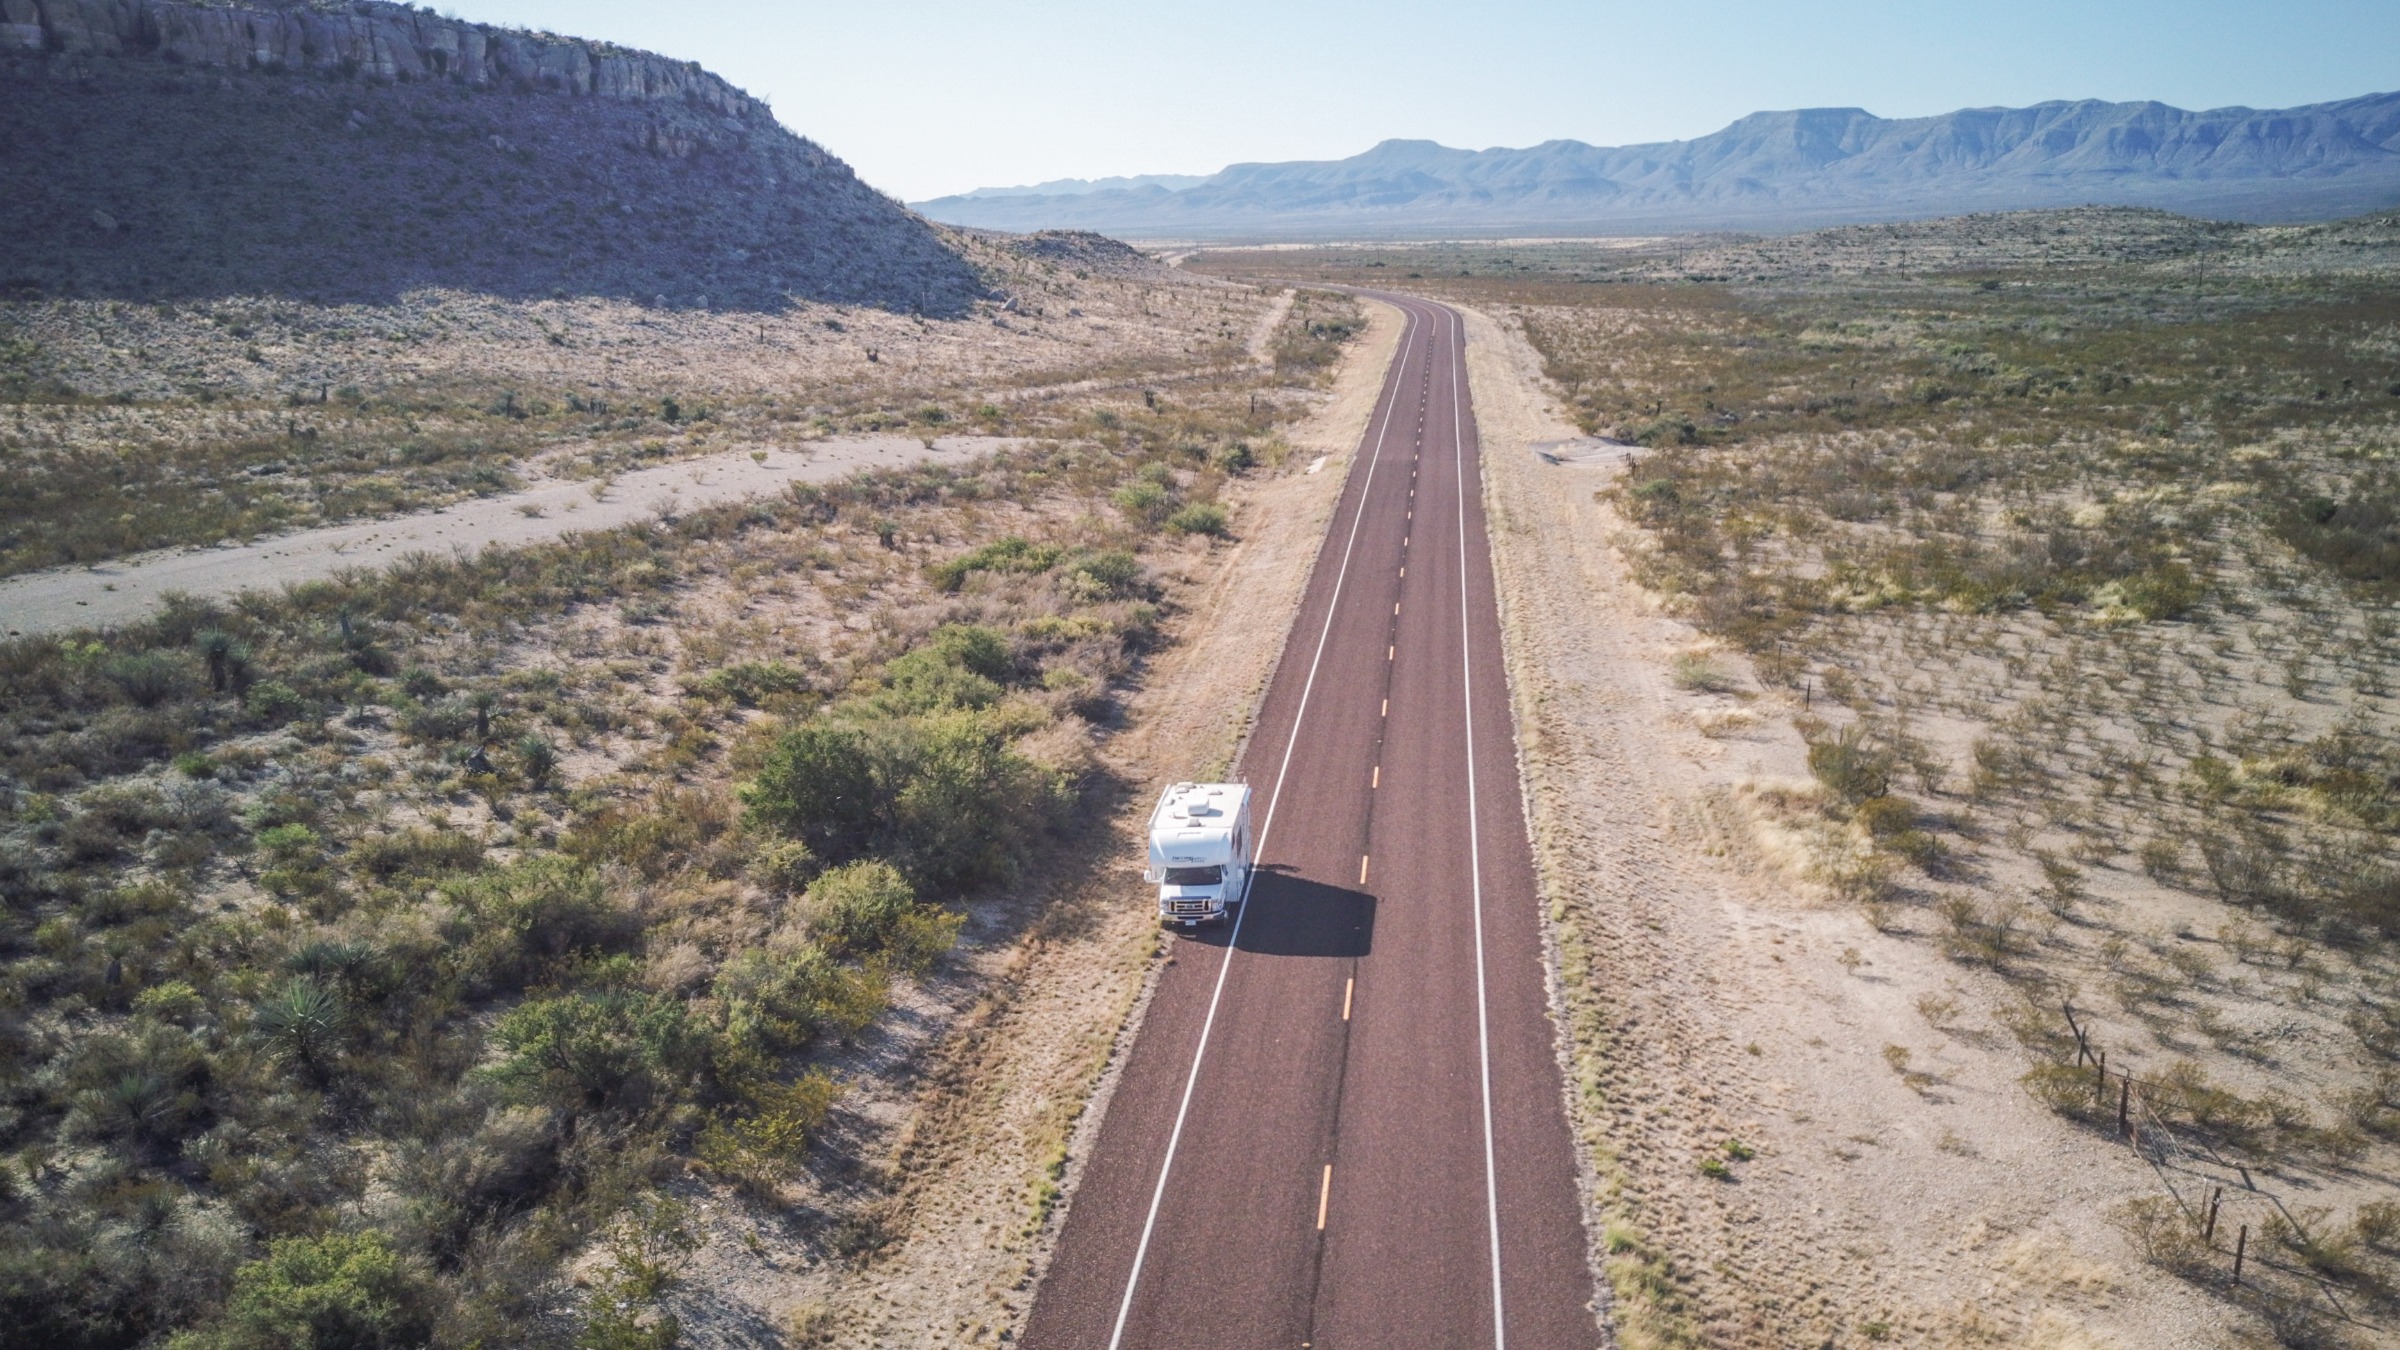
<point x="1195" y="876"/>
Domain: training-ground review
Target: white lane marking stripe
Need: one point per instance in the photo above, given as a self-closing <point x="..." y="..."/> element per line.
<point x="1483" y="1023"/>
<point x="1208" y="1023"/>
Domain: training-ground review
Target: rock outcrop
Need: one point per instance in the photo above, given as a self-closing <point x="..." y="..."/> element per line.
<point x="159" y="148"/>
<point x="378" y="41"/>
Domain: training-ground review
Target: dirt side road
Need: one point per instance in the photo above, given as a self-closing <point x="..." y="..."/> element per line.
<point x="1875" y="1172"/>
<point x="1015" y="1097"/>
<point x="125" y="590"/>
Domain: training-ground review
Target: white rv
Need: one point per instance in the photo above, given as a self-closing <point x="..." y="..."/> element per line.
<point x="1200" y="851"/>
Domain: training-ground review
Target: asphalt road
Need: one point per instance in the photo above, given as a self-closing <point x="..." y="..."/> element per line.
<point x="1341" y="1124"/>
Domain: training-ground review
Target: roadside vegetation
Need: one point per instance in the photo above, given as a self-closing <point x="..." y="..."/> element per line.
<point x="2071" y="543"/>
<point x="398" y="959"/>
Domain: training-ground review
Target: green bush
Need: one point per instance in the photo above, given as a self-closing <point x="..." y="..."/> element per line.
<point x="340" y="1292"/>
<point x="778" y="1001"/>
<point x="784" y="865"/>
<point x="176" y="1002"/>
<point x="288" y="843"/>
<point x="434" y="723"/>
<point x="1010" y="554"/>
<point x="751" y="683"/>
<point x="1199" y="518"/>
<point x="760" y="1141"/>
<point x="1110" y="575"/>
<point x="818" y="785"/>
<point x="960" y="666"/>
<point x="1851" y="764"/>
<point x="855" y="910"/>
<point x="608" y="1047"/>
<point x="147" y="678"/>
<point x="1886" y="816"/>
<point x="526" y="918"/>
<point x="967" y="805"/>
<point x="1144" y="503"/>
<point x="274" y="702"/>
<point x="416" y="852"/>
<point x="2163" y="593"/>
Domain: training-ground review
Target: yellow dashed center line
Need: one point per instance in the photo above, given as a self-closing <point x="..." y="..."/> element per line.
<point x="1362" y="869"/>
<point x="1348" y="986"/>
<point x="1324" y="1193"/>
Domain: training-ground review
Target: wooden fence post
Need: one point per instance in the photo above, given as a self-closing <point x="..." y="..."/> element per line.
<point x="2210" y="1235"/>
<point x="2241" y="1245"/>
<point x="2125" y="1108"/>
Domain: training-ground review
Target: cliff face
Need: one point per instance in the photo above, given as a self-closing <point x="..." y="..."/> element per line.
<point x="155" y="149"/>
<point x="380" y="41"/>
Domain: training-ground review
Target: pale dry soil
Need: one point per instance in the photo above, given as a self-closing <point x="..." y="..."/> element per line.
<point x="974" y="1101"/>
<point x="125" y="590"/>
<point x="1718" y="997"/>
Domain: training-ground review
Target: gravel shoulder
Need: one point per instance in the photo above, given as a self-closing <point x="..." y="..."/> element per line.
<point x="126" y="590"/>
<point x="1877" y="1173"/>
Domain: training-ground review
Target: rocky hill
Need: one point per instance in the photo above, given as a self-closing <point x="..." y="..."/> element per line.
<point x="1782" y="170"/>
<point x="157" y="149"/>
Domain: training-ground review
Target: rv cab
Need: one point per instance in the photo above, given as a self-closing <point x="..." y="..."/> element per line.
<point x="1200" y="845"/>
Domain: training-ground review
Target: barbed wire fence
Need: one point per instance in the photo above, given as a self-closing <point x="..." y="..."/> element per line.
<point x="2200" y="1180"/>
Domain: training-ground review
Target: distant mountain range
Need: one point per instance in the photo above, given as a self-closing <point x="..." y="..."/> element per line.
<point x="1077" y="187"/>
<point x="1770" y="170"/>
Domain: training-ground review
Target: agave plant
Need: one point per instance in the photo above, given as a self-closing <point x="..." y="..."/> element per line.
<point x="302" y="1024"/>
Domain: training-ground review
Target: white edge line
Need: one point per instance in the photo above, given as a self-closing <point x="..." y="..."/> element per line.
<point x="1275" y="797"/>
<point x="1483" y="1022"/>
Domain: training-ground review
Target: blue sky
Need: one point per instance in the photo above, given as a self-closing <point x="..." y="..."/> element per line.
<point x="937" y="96"/>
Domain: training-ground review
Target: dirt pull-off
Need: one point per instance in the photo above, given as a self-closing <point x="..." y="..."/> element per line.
<point x="1804" y="1132"/>
<point x="124" y="591"/>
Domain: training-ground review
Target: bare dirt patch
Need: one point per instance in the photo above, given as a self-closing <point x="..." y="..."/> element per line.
<point x="125" y="590"/>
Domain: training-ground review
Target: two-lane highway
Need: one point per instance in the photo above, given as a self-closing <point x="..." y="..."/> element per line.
<point x="1342" y="1122"/>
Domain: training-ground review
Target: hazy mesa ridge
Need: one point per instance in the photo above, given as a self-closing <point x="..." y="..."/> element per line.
<point x="328" y="152"/>
<point x="1781" y="169"/>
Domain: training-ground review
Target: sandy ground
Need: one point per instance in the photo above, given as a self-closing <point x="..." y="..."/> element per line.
<point x="1904" y="1186"/>
<point x="125" y="590"/>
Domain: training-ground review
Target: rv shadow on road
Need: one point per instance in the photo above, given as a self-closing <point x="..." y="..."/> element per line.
<point x="1293" y="916"/>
